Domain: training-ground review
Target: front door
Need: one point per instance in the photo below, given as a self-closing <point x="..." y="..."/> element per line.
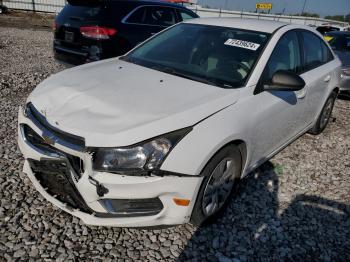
<point x="279" y="111"/>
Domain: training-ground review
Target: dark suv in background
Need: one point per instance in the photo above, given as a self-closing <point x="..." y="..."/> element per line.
<point x="87" y="31"/>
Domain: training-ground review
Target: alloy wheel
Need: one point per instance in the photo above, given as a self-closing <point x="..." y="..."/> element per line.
<point x="218" y="187"/>
<point x="326" y="114"/>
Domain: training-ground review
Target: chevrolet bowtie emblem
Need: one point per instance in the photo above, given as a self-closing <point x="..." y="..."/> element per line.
<point x="48" y="140"/>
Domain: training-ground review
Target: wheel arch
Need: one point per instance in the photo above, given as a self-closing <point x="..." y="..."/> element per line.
<point x="242" y="147"/>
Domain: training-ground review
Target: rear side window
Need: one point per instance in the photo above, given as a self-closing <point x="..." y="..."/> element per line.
<point x="313" y="55"/>
<point x="161" y="16"/>
<point x="327" y="55"/>
<point x="153" y="15"/>
<point x="186" y="15"/>
<point x="138" y="16"/>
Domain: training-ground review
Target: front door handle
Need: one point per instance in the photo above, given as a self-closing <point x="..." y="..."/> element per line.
<point x="327" y="78"/>
<point x="301" y="93"/>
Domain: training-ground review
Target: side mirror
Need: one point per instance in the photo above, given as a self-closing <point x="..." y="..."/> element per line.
<point x="284" y="80"/>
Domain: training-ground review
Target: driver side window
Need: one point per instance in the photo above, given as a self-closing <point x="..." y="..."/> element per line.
<point x="286" y="56"/>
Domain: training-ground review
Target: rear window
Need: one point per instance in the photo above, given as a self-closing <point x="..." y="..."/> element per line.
<point x="83" y="11"/>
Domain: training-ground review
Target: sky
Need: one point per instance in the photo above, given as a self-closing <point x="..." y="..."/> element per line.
<point x="322" y="7"/>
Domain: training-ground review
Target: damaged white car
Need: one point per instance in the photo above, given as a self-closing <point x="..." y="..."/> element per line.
<point x="163" y="135"/>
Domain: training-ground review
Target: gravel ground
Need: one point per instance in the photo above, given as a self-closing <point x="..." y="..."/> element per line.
<point x="295" y="207"/>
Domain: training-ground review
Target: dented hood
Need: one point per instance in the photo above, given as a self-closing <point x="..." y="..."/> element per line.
<point x="116" y="103"/>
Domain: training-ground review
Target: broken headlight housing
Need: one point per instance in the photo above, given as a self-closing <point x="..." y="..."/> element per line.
<point x="140" y="158"/>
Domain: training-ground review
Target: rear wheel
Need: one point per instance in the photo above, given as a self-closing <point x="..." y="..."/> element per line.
<point x="325" y="115"/>
<point x="221" y="177"/>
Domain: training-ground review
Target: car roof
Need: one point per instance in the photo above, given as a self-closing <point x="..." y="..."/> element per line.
<point x="241" y="23"/>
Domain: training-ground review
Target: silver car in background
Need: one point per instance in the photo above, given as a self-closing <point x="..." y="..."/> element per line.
<point x="340" y="43"/>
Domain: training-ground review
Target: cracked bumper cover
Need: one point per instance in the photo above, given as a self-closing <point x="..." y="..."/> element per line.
<point x="133" y="189"/>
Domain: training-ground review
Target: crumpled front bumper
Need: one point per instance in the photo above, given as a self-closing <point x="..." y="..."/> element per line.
<point x="119" y="187"/>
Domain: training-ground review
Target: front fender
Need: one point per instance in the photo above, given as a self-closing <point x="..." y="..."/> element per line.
<point x="195" y="150"/>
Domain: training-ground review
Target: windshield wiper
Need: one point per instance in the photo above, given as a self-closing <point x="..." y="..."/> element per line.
<point x="220" y="83"/>
<point x="172" y="71"/>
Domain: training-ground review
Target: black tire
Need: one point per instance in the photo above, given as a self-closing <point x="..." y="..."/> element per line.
<point x="232" y="153"/>
<point x="325" y="115"/>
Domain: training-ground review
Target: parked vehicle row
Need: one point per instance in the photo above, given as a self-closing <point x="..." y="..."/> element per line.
<point x="163" y="134"/>
<point x="3" y="9"/>
<point x="340" y="43"/>
<point x="87" y="31"/>
<point x="324" y="29"/>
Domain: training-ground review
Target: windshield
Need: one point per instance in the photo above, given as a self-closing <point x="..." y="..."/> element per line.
<point x="214" y="55"/>
<point x="82" y="10"/>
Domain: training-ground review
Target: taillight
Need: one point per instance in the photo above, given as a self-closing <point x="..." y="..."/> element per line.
<point x="97" y="32"/>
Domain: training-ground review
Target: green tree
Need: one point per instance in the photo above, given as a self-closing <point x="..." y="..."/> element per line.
<point x="347" y="18"/>
<point x="308" y="15"/>
<point x="340" y="18"/>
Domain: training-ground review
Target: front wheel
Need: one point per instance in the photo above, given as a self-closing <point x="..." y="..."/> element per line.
<point x="325" y="115"/>
<point x="221" y="177"/>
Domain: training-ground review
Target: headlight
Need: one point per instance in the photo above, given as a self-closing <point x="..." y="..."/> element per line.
<point x="143" y="157"/>
<point x="346" y="71"/>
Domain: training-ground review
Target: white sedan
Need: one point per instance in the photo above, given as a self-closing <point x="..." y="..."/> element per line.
<point x="163" y="135"/>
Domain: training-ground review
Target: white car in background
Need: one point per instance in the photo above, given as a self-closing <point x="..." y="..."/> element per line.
<point x="162" y="135"/>
<point x="326" y="28"/>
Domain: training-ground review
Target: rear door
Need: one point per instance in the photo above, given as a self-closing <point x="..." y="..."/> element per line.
<point x="145" y="21"/>
<point x="317" y="73"/>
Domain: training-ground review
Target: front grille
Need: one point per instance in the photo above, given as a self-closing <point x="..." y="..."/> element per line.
<point x="33" y="138"/>
<point x="37" y="117"/>
<point x="55" y="178"/>
<point x="37" y="141"/>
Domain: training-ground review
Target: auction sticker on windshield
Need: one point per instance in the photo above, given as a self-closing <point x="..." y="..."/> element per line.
<point x="242" y="44"/>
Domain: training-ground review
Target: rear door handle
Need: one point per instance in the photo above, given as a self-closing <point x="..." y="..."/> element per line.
<point x="327" y="78"/>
